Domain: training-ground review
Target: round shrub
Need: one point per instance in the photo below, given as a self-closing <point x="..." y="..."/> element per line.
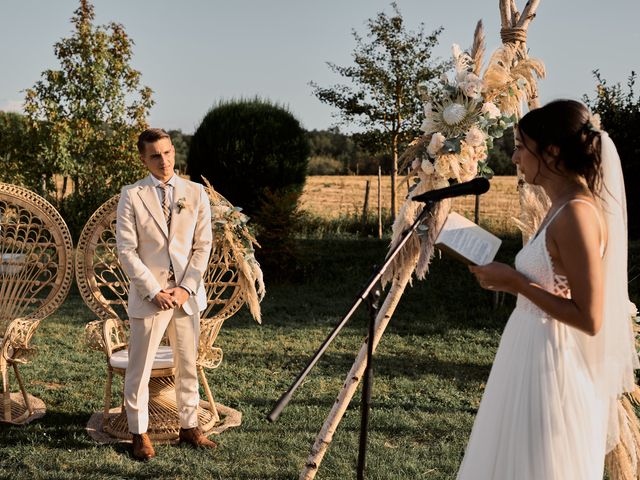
<point x="245" y="147"/>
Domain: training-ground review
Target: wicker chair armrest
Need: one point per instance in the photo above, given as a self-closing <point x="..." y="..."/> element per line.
<point x="115" y="334"/>
<point x="15" y="347"/>
<point x="106" y="336"/>
<point x="93" y="335"/>
<point x="212" y="358"/>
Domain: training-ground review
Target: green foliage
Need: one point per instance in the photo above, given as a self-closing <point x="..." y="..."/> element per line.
<point x="87" y="116"/>
<point x="277" y="219"/>
<point x="255" y="154"/>
<point x="499" y="159"/>
<point x="321" y="165"/>
<point x="382" y="94"/>
<point x="181" y="142"/>
<point x="244" y="147"/>
<point x="339" y="146"/>
<point x="620" y="115"/>
<point x="19" y="161"/>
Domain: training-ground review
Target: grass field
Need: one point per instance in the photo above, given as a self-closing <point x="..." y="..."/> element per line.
<point x="430" y="370"/>
<point x="331" y="197"/>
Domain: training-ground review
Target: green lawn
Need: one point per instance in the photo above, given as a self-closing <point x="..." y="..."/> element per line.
<point x="430" y="369"/>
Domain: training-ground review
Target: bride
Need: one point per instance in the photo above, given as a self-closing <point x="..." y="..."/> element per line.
<point x="549" y="410"/>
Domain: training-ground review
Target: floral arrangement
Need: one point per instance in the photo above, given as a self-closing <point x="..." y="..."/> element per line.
<point x="460" y="125"/>
<point x="230" y="228"/>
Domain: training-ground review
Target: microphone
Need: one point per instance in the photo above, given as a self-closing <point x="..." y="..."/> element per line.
<point x="477" y="186"/>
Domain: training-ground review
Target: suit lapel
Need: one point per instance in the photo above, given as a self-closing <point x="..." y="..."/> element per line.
<point x="179" y="191"/>
<point x="149" y="198"/>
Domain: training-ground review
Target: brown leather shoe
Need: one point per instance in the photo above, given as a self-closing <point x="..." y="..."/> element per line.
<point x="142" y="447"/>
<point x="195" y="438"/>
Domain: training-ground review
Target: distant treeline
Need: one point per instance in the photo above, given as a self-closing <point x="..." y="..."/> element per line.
<point x="336" y="153"/>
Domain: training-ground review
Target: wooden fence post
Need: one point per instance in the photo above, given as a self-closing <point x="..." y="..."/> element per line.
<point x="379" y="202"/>
<point x="365" y="207"/>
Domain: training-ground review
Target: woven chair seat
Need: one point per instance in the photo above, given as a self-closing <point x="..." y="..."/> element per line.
<point x="163" y="359"/>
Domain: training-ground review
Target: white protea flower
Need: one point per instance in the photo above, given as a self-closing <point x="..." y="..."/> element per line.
<point x="454" y="113"/>
<point x="415" y="164"/>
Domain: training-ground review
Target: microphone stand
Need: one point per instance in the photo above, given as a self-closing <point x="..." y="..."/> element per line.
<point x="285" y="398"/>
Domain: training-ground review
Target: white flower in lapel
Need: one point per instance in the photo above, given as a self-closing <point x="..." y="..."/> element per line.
<point x="181" y="203"/>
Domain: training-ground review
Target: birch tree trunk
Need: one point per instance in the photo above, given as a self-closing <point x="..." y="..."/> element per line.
<point x="350" y="385"/>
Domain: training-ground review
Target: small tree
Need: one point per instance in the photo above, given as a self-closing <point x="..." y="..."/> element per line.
<point x="244" y="147"/>
<point x="620" y="114"/>
<point x="87" y="116"/>
<point x="383" y="95"/>
<point x="19" y="164"/>
<point x="255" y="154"/>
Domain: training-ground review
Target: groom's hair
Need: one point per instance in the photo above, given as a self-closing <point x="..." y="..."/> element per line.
<point x="151" y="135"/>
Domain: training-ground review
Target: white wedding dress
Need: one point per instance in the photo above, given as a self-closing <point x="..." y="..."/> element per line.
<point x="541" y="415"/>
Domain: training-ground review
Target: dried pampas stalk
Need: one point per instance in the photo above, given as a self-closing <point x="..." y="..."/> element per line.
<point x="478" y="48"/>
<point x="534" y="205"/>
<point x="235" y="240"/>
<point x="623" y="462"/>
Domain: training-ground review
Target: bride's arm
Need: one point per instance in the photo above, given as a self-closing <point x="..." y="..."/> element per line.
<point x="575" y="239"/>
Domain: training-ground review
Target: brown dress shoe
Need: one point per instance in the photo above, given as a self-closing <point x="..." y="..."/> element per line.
<point x="195" y="437"/>
<point x="142" y="447"/>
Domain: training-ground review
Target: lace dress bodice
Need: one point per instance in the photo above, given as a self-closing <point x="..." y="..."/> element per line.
<point x="535" y="262"/>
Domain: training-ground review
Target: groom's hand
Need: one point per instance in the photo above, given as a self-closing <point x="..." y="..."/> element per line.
<point x="179" y="295"/>
<point x="164" y="300"/>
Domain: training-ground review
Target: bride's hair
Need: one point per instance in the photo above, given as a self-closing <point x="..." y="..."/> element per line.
<point x="567" y="125"/>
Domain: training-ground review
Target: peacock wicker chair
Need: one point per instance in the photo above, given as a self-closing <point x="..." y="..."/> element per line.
<point x="104" y="287"/>
<point x="36" y="270"/>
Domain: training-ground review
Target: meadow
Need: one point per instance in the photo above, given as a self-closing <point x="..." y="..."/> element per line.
<point x="334" y="197"/>
<point x="430" y="370"/>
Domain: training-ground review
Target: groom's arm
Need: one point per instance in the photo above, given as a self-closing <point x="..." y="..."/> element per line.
<point x="127" y="244"/>
<point x="201" y="246"/>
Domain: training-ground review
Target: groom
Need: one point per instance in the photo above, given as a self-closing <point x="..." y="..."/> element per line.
<point x="163" y="235"/>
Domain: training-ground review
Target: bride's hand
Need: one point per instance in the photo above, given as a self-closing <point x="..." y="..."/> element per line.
<point x="497" y="277"/>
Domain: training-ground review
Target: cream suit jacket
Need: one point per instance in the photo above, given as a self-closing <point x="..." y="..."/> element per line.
<point x="146" y="248"/>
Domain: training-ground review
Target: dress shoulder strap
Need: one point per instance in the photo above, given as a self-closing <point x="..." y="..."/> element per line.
<point x="595" y="209"/>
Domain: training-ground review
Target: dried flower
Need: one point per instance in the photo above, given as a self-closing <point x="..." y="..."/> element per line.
<point x="475" y="136"/>
<point x="436" y="144"/>
<point x="181" y="203"/>
<point x="427" y="167"/>
<point x="490" y="110"/>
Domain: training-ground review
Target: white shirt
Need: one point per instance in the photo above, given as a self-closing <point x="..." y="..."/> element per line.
<point x="157" y="183"/>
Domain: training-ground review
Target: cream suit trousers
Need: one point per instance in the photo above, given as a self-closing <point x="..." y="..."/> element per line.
<point x="145" y="336"/>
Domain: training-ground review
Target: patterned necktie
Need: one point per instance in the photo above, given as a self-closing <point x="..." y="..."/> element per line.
<point x="166" y="207"/>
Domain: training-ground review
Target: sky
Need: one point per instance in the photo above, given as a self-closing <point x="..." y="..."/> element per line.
<point x="194" y="53"/>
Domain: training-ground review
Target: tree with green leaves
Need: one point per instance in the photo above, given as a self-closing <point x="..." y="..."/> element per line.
<point x="87" y="116"/>
<point x="19" y="163"/>
<point x="619" y="111"/>
<point x="382" y="96"/>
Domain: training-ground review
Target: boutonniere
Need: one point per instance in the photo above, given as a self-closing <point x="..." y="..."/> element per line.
<point x="181" y="203"/>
